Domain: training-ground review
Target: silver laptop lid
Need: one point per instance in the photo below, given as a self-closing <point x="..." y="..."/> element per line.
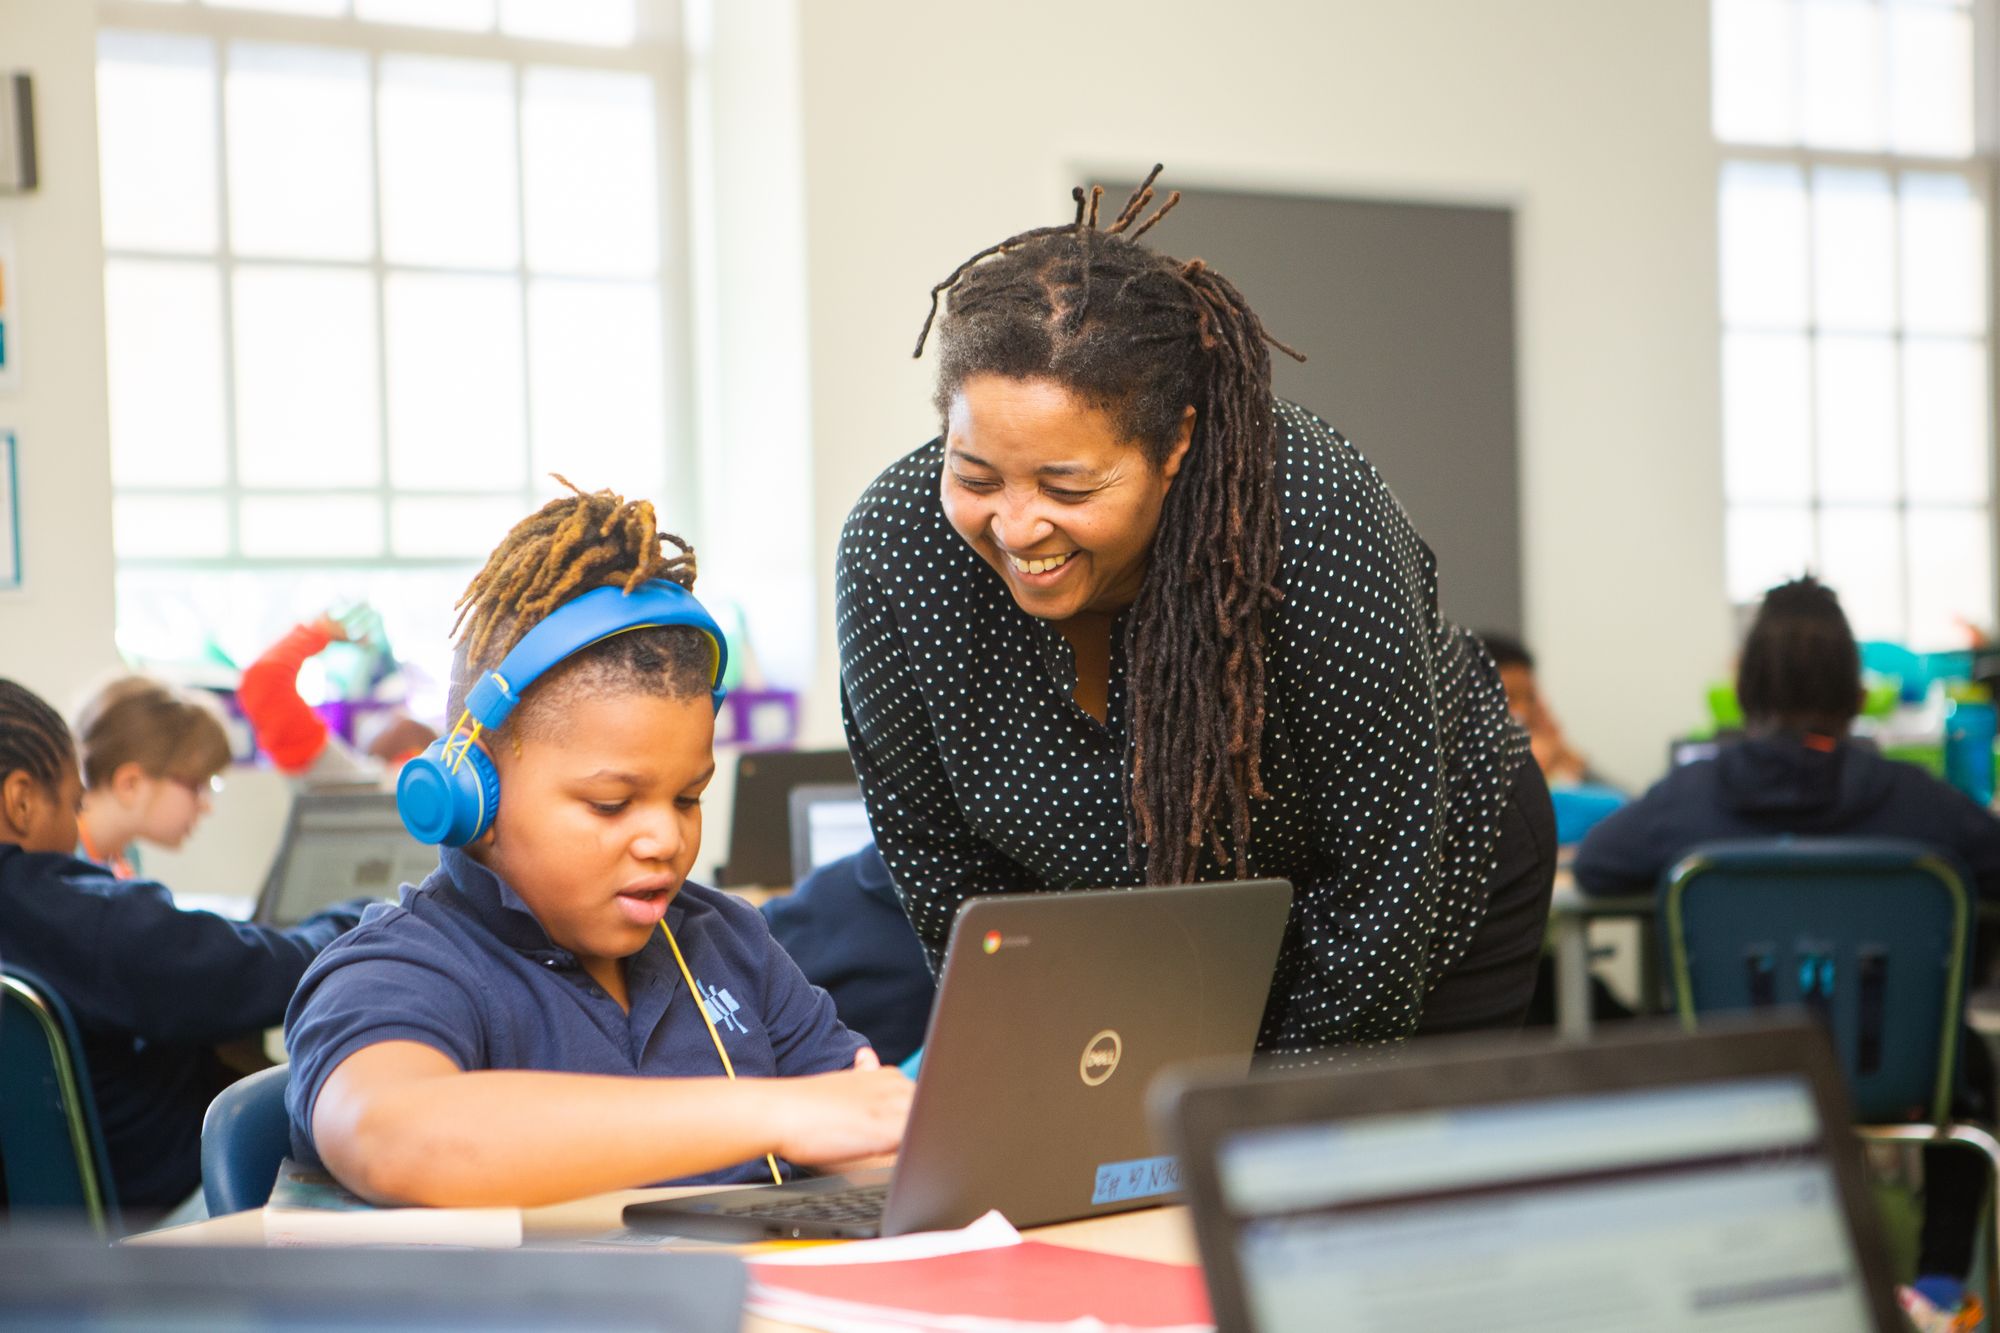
<point x="339" y="846"/>
<point x="829" y="821"/>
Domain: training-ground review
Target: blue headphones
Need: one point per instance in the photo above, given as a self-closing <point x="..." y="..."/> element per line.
<point x="449" y="793"/>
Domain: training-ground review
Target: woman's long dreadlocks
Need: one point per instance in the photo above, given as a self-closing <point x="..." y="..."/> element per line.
<point x="572" y="544"/>
<point x="1143" y="336"/>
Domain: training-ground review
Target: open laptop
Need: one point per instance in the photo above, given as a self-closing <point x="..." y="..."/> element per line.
<point x="829" y="821"/>
<point x="1054" y="1012"/>
<point x="760" y="834"/>
<point x="57" y="1286"/>
<point x="1664" y="1181"/>
<point x="340" y="845"/>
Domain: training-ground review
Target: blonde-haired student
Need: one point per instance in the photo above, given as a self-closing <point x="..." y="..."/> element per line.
<point x="520" y="1028"/>
<point x="152" y="756"/>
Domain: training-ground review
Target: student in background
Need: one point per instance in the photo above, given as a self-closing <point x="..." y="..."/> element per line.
<point x="844" y="926"/>
<point x="152" y="988"/>
<point x="296" y="738"/>
<point x="1559" y="763"/>
<point x="1797" y="771"/>
<point x="152" y="756"/>
<point x="518" y="1030"/>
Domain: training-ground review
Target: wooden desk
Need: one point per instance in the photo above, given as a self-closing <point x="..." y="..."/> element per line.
<point x="1150" y="1233"/>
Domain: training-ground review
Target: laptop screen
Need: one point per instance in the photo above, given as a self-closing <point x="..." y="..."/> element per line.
<point x="835" y="829"/>
<point x="1707" y="1205"/>
<point x="341" y="847"/>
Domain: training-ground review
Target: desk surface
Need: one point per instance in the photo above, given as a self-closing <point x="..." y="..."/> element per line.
<point x="1149" y="1233"/>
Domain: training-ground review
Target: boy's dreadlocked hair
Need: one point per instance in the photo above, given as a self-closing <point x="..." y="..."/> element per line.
<point x="33" y="737"/>
<point x="1142" y="337"/>
<point x="569" y="546"/>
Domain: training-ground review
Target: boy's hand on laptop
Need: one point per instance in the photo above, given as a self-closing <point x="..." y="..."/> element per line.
<point x="837" y="1119"/>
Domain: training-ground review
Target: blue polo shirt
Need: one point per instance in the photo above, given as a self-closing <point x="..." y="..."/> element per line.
<point x="464" y="967"/>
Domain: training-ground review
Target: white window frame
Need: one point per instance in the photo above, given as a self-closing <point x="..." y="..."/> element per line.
<point x="655" y="53"/>
<point x="1979" y="172"/>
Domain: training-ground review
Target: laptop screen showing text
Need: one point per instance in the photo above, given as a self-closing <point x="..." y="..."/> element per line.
<point x="343" y="848"/>
<point x="1707" y="1206"/>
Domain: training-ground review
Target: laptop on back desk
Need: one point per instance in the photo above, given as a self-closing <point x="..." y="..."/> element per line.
<point x="1054" y="1012"/>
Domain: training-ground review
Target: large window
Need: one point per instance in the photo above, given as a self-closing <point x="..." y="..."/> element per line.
<point x="1856" y="305"/>
<point x="374" y="268"/>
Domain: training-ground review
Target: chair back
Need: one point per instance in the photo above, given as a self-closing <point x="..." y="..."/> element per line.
<point x="1870" y="934"/>
<point x="244" y="1138"/>
<point x="51" y="1147"/>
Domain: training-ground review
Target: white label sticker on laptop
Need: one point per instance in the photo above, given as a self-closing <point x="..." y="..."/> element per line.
<point x="1143" y="1178"/>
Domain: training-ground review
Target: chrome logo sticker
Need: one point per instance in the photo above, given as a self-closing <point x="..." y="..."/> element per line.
<point x="1100" y="1057"/>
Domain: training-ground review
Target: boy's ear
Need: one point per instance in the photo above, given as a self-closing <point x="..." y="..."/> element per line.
<point x="19" y="794"/>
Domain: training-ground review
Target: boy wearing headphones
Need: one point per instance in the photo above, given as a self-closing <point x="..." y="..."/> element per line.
<point x="555" y="1011"/>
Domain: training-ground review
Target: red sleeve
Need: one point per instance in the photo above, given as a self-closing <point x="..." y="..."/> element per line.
<point x="291" y="733"/>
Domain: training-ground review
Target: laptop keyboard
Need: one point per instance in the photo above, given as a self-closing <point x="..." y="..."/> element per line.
<point x="862" y="1203"/>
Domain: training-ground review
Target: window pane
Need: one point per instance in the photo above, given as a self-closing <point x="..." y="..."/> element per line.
<point x="1857" y="420"/>
<point x="1930" y="74"/>
<point x="306" y="407"/>
<point x="1945" y="421"/>
<point x="1944" y="265"/>
<point x="435" y="527"/>
<point x="1861" y="556"/>
<point x="179" y="525"/>
<point x="591" y="201"/>
<point x="300" y="179"/>
<point x="1766" y="427"/>
<point x="462" y="15"/>
<point x="1755" y="101"/>
<point x="597" y="393"/>
<point x="1951" y="576"/>
<point x="1854" y="249"/>
<point x="455" y="403"/>
<point x="1767" y="546"/>
<point x="1763" y="246"/>
<point x="448" y="163"/>
<point x="156" y="141"/>
<point x="163" y="334"/>
<point x="1846" y="105"/>
<point x="336" y="525"/>
<point x="598" y="22"/>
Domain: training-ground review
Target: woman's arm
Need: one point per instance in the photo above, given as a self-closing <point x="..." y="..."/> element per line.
<point x="399" y="1122"/>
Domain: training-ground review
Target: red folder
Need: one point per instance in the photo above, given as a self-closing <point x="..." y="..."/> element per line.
<point x="1030" y="1283"/>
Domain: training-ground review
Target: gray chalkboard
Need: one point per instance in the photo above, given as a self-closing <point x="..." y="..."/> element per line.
<point x="1406" y="311"/>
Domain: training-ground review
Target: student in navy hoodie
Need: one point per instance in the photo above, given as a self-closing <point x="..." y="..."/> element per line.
<point x="1798" y="772"/>
<point x="153" y="989"/>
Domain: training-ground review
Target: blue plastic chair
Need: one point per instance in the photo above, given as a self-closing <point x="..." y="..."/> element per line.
<point x="1873" y="935"/>
<point x="50" y="1141"/>
<point x="244" y="1138"/>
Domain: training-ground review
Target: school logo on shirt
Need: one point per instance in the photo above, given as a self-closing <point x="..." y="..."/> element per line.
<point x="721" y="1007"/>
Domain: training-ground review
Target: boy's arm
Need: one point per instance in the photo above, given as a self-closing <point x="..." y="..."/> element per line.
<point x="287" y="730"/>
<point x="399" y="1122"/>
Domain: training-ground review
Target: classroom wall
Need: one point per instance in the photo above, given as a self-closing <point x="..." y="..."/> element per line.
<point x="56" y="631"/>
<point x="932" y="130"/>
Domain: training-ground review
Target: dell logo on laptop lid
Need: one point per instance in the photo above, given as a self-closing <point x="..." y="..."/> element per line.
<point x="1100" y="1057"/>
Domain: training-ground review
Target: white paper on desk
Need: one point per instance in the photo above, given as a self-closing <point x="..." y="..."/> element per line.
<point x="988" y="1233"/>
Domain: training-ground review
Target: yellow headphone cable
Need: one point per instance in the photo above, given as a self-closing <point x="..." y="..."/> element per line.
<point x="713" y="1035"/>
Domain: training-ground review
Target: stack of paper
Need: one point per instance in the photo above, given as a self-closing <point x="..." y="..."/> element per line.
<point x="982" y="1278"/>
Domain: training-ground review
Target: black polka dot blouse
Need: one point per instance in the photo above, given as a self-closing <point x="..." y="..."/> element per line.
<point x="1388" y="752"/>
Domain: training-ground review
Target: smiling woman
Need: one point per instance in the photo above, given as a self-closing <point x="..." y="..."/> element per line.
<point x="1131" y="619"/>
